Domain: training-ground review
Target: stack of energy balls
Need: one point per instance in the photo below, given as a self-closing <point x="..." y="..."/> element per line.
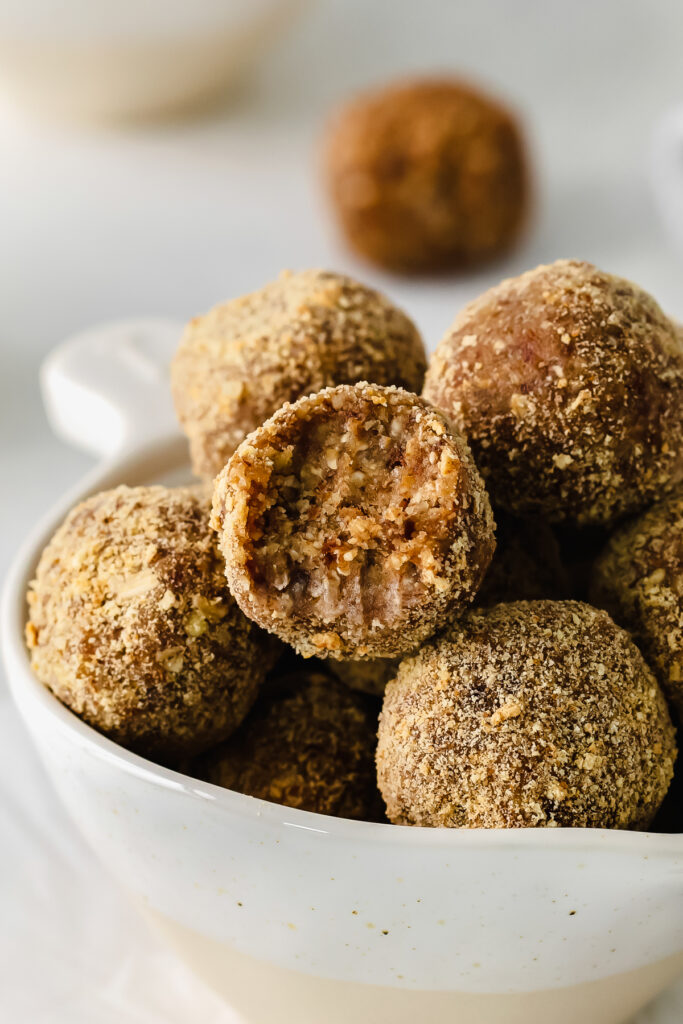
<point x="342" y="551"/>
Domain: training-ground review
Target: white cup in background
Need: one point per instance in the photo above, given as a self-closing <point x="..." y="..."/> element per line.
<point x="125" y="59"/>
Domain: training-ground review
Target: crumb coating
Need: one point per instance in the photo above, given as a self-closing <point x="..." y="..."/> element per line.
<point x="353" y="523"/>
<point x="568" y="384"/>
<point x="427" y="175"/>
<point x="639" y="580"/>
<point x="308" y="743"/>
<point x="132" y="627"/>
<point x="527" y="714"/>
<point x="303" y="332"/>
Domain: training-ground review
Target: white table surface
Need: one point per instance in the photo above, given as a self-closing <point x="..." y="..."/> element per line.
<point x="97" y="225"/>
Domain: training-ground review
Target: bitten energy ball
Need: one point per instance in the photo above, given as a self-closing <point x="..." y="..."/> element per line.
<point x="568" y="384"/>
<point x="534" y="713"/>
<point x="132" y="627"/>
<point x="427" y="175"/>
<point x="639" y="579"/>
<point x="238" y="364"/>
<point x="353" y="523"/>
<point x="309" y="743"/>
<point x="527" y="565"/>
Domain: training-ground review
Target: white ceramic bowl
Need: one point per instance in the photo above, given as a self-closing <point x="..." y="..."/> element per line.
<point x="296" y="917"/>
<point x="131" y="58"/>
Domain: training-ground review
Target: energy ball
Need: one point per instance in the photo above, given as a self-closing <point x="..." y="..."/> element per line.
<point x="238" y="364"/>
<point x="369" y="677"/>
<point x="427" y="176"/>
<point x="309" y="743"/>
<point x="131" y="625"/>
<point x="639" y="579"/>
<point x="353" y="523"/>
<point x="527" y="565"/>
<point x="529" y="714"/>
<point x="568" y="384"/>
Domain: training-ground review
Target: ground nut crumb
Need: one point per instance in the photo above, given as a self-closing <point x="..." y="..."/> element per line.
<point x="503" y="721"/>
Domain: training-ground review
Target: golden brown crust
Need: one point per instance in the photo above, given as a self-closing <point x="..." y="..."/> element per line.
<point x="353" y="523"/>
<point x="131" y="625"/>
<point x="568" y="383"/>
<point x="639" y="579"/>
<point x="309" y="743"/>
<point x="240" y="362"/>
<point x="527" y="714"/>
<point x="427" y="175"/>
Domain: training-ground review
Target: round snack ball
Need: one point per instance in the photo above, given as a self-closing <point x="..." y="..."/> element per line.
<point x="534" y="713"/>
<point x="568" y="383"/>
<point x="240" y="362"/>
<point x="309" y="743"/>
<point x="353" y="523"/>
<point x="369" y="677"/>
<point x="527" y="564"/>
<point x="132" y="627"/>
<point x="639" y="579"/>
<point x="427" y="176"/>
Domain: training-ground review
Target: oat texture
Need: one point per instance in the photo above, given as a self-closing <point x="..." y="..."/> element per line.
<point x="132" y="627"/>
<point x="353" y="523"/>
<point x="240" y="362"/>
<point x="568" y="384"/>
<point x="526" y="714"/>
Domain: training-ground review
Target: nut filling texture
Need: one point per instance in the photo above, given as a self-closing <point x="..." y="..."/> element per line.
<point x="534" y="713"/>
<point x="639" y="580"/>
<point x="131" y="625"/>
<point x="353" y="523"/>
<point x="240" y="362"/>
<point x="568" y="384"/>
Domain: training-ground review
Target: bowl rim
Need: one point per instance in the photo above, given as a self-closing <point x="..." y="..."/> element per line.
<point x="28" y="692"/>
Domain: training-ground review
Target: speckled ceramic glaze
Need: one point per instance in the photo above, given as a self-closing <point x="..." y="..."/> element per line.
<point x="298" y="917"/>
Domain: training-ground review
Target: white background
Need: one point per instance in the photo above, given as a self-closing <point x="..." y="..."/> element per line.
<point x="96" y="225"/>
